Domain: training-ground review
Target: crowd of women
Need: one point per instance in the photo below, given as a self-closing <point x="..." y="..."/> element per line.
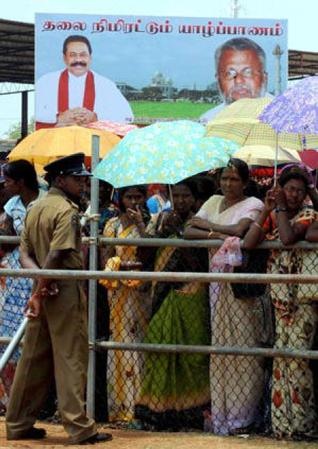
<point x="222" y="394"/>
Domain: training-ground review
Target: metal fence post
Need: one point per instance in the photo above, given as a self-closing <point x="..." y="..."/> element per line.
<point x="92" y="285"/>
<point x="13" y="344"/>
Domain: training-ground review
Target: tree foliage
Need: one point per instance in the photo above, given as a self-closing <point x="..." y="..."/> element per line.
<point x="14" y="131"/>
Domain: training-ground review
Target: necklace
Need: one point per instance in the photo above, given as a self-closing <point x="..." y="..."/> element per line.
<point x="228" y="203"/>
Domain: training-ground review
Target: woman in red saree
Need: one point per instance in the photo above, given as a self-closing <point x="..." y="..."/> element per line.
<point x="286" y="218"/>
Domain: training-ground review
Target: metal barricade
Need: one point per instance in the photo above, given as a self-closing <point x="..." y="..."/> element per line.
<point x="149" y="319"/>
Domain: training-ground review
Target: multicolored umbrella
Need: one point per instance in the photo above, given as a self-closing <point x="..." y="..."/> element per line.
<point x="165" y="152"/>
<point x="295" y="110"/>
<point x="240" y="122"/>
<point x="46" y="145"/>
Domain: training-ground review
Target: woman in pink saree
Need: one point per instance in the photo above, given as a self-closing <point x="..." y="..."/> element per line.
<point x="236" y="383"/>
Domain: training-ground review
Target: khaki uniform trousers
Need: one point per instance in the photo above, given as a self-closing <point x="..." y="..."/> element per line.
<point x="56" y="343"/>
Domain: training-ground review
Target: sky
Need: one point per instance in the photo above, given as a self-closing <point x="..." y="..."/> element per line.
<point x="301" y="16"/>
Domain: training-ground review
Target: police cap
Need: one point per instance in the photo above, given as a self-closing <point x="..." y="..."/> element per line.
<point x="68" y="165"/>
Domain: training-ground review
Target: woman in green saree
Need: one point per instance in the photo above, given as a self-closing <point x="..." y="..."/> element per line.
<point x="175" y="387"/>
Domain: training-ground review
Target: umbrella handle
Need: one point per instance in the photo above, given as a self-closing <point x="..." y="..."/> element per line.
<point x="171" y="197"/>
<point x="276" y="161"/>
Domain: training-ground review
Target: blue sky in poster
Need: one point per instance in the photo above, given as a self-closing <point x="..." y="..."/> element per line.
<point x="301" y="15"/>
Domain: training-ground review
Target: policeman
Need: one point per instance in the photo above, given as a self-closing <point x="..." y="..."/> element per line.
<point x="55" y="342"/>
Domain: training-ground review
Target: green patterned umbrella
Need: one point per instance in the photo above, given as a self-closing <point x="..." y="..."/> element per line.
<point x="165" y="153"/>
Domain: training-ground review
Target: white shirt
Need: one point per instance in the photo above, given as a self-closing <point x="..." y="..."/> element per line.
<point x="110" y="104"/>
<point x="211" y="113"/>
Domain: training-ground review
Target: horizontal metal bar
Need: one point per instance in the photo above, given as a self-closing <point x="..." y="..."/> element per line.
<point x="9" y="240"/>
<point x="221" y="350"/>
<point x="252" y="278"/>
<point x="5" y="340"/>
<point x="177" y="243"/>
<point x="156" y="242"/>
<point x="180" y="243"/>
<point x="193" y="349"/>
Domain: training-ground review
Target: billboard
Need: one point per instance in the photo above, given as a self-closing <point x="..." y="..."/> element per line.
<point x="143" y="69"/>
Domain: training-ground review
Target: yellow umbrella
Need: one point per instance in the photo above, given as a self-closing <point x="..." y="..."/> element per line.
<point x="46" y="145"/>
<point x="265" y="155"/>
<point x="239" y="122"/>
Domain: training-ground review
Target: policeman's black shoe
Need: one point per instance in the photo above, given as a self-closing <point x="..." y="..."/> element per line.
<point x="31" y="434"/>
<point x="97" y="438"/>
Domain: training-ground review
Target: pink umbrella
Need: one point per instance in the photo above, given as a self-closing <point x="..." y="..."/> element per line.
<point x="121" y="129"/>
<point x="310" y="158"/>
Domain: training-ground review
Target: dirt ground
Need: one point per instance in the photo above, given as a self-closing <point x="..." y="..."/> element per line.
<point x="128" y="439"/>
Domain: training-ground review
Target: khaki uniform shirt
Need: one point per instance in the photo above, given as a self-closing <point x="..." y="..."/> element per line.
<point x="53" y="224"/>
<point x="57" y="340"/>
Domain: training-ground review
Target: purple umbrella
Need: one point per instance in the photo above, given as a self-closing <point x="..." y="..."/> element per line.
<point x="296" y="110"/>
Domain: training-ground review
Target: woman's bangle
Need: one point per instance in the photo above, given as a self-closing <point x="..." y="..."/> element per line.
<point x="257" y="225"/>
<point x="37" y="294"/>
<point x="210" y="234"/>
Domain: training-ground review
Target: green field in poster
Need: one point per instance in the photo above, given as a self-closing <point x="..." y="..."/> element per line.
<point x="175" y="110"/>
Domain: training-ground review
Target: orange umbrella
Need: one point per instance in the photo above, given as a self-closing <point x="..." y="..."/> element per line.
<point x="47" y="144"/>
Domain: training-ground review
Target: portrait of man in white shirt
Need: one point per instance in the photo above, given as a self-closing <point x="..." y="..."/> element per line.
<point x="240" y="72"/>
<point x="77" y="94"/>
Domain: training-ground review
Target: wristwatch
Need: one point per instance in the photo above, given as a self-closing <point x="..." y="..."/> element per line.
<point x="280" y="209"/>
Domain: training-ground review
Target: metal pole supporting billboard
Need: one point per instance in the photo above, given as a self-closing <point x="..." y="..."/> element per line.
<point x="92" y="285"/>
<point x="277" y="52"/>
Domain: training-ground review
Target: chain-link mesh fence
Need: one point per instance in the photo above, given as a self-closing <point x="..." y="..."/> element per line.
<point x="224" y="393"/>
